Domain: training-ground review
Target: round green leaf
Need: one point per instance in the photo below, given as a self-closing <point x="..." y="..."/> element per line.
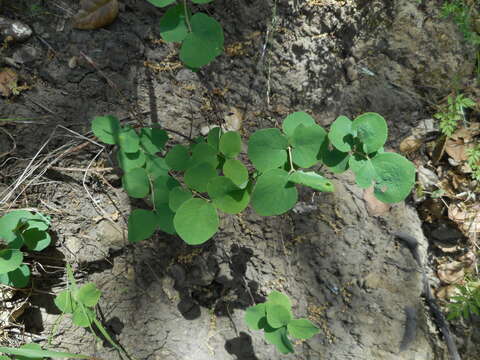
<point x="204" y="43"/>
<point x="177" y="197"/>
<point x="88" y="295"/>
<point x="394" y="177"/>
<point x="236" y="171"/>
<point x="173" y="27"/>
<point x="279" y="338"/>
<point x="177" y="158"/>
<point x="141" y="225"/>
<point x="340" y="134"/>
<point x="253" y="315"/>
<point x="363" y="170"/>
<point x="230" y="144"/>
<point x="161" y="189"/>
<point x="10" y="221"/>
<point x="136" y="183"/>
<point x="83" y="316"/>
<point x="213" y="138"/>
<point x="129" y="141"/>
<point x="203" y="153"/>
<point x="306" y="142"/>
<point x="165" y="219"/>
<point x="276" y="297"/>
<point x="277" y="315"/>
<point x="295" y="119"/>
<point x="267" y="149"/>
<point x="311" y="179"/>
<point x="227" y="196"/>
<point x="36" y="240"/>
<point x="156" y="166"/>
<point x="273" y="194"/>
<point x="153" y="140"/>
<point x="10" y="259"/>
<point x="65" y="302"/>
<point x="371" y="129"/>
<point x="198" y="176"/>
<point x="302" y="329"/>
<point x="196" y="221"/>
<point x="106" y="128"/>
<point x="130" y="161"/>
<point x="161" y="3"/>
<point x="336" y="160"/>
<point x="18" y="278"/>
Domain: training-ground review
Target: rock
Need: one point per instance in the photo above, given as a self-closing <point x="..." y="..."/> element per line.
<point x="14" y="29"/>
<point x="26" y="55"/>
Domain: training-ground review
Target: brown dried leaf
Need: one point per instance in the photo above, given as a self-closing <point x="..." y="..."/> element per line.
<point x="374" y="206"/>
<point x="410" y="144"/>
<point x="446" y="292"/>
<point x="8" y="81"/>
<point x="94" y="14"/>
<point x="451" y="273"/>
<point x="466" y="217"/>
<point x="439" y="149"/>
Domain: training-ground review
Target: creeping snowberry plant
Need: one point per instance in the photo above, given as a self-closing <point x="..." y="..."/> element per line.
<point x="275" y="318"/>
<point x="187" y="185"/>
<point x="20" y="229"/>
<point x="201" y="36"/>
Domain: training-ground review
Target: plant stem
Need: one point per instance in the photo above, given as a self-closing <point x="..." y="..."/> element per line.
<point x="187" y="19"/>
<point x="292" y="169"/>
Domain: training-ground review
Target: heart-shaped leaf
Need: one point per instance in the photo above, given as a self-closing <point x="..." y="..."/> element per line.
<point x="302" y="329"/>
<point x="204" y="43"/>
<point x="136" y="183"/>
<point x="273" y="194"/>
<point x="254" y="315"/>
<point x="295" y="119"/>
<point x="173" y="27"/>
<point x="267" y="149"/>
<point x="230" y="144"/>
<point x="18" y="278"/>
<point x="227" y="196"/>
<point x="10" y="259"/>
<point x="371" y="129"/>
<point x="141" y="225"/>
<point x="340" y="134"/>
<point x="196" y="221"/>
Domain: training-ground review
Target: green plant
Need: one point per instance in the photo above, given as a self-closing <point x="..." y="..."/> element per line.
<point x="275" y="318"/>
<point x="80" y="302"/>
<point x="451" y="113"/>
<point x="201" y="36"/>
<point x="463" y="14"/>
<point x="473" y="160"/>
<point x="187" y="184"/>
<point x="35" y="352"/>
<point x="467" y="302"/>
<point x="19" y="229"/>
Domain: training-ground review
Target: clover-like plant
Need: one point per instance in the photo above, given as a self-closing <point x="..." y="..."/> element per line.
<point x="188" y="184"/>
<point x="20" y="229"/>
<point x="201" y="36"/>
<point x="80" y="302"/>
<point x="276" y="320"/>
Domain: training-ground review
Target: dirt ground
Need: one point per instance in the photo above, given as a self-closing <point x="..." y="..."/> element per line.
<point x="164" y="300"/>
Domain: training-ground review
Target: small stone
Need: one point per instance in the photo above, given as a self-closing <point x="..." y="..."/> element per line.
<point x="26" y="55"/>
<point x="17" y="30"/>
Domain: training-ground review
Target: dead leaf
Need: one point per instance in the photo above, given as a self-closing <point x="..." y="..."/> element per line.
<point x="233" y="119"/>
<point x="461" y="140"/>
<point x="439" y="149"/>
<point x="410" y="144"/>
<point x="446" y="292"/>
<point x="466" y="217"/>
<point x="94" y="14"/>
<point x="451" y="273"/>
<point x="374" y="206"/>
<point x="8" y="82"/>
